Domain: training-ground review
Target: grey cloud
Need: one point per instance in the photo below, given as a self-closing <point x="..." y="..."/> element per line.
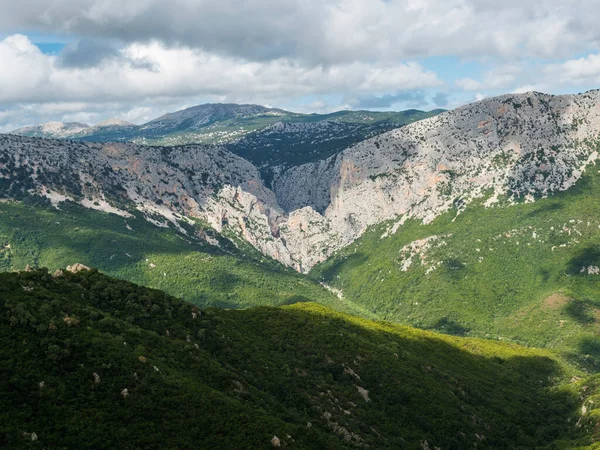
<point x="411" y="99"/>
<point x="318" y="32"/>
<point x="86" y="53"/>
<point x="440" y="99"/>
<point x="253" y="29"/>
<point x="271" y="51"/>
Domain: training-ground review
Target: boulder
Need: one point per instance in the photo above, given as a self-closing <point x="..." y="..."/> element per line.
<point x="75" y="268"/>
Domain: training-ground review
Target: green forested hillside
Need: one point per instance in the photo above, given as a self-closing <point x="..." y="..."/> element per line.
<point x="92" y="362"/>
<point x="526" y="273"/>
<point x="134" y="249"/>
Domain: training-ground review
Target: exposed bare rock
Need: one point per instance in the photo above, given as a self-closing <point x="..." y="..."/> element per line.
<point x="346" y="434"/>
<point x="55" y="130"/>
<point x="71" y="321"/>
<point x="364" y="393"/>
<point x="75" y="268"/>
<point x="349" y="371"/>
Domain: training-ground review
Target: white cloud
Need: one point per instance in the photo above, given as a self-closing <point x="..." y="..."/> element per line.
<point x="144" y="72"/>
<point x="582" y="70"/>
<point x="140" y="58"/>
<point x="154" y="70"/>
<point x="498" y="78"/>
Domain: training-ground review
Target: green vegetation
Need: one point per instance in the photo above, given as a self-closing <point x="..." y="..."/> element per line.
<point x="524" y="273"/>
<point x="135" y="250"/>
<point x="88" y="361"/>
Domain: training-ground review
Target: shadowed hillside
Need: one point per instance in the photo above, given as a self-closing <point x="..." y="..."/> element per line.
<point x="93" y="362"/>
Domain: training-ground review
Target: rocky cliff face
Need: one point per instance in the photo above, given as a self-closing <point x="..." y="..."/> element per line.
<point x="522" y="146"/>
<point x="518" y="146"/>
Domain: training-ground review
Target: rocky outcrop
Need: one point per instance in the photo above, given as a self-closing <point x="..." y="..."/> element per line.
<point x="53" y="130"/>
<point x="165" y="185"/>
<point x="78" y="267"/>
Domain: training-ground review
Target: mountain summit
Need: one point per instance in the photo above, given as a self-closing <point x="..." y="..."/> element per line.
<point x="114" y="122"/>
<point x="244" y="128"/>
<point x="197" y="117"/>
<point x="53" y="130"/>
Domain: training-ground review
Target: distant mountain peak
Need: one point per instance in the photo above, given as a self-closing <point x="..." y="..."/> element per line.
<point x="229" y="123"/>
<point x="199" y="116"/>
<point x="114" y="122"/>
<point x="52" y="129"/>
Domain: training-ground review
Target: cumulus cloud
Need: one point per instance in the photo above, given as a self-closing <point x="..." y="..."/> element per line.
<point x="142" y="71"/>
<point x="88" y="52"/>
<point x="441" y="99"/>
<point x="152" y="69"/>
<point x="581" y="70"/>
<point x="407" y="99"/>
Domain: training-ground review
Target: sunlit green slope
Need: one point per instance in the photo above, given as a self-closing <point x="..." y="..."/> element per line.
<point x="526" y="273"/>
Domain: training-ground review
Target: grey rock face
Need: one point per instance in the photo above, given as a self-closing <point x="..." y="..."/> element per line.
<point x="166" y="184"/>
<point x="523" y="145"/>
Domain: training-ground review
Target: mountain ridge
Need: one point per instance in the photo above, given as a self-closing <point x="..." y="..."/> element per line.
<point x="271" y="138"/>
<point x="520" y="146"/>
<point x="195" y="117"/>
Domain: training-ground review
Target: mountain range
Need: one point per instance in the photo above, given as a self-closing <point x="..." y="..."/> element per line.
<point x="270" y="138"/>
<point x="480" y="222"/>
<point x="505" y="149"/>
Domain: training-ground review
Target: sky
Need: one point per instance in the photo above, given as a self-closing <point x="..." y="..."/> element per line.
<point x="90" y="60"/>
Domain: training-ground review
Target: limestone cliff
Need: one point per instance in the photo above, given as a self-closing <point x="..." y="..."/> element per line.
<point x="522" y="146"/>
